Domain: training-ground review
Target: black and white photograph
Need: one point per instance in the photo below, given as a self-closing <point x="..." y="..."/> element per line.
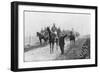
<point x="56" y="36"/>
<point x="53" y="36"/>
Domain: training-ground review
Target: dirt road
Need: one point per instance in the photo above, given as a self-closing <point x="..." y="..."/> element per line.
<point x="42" y="53"/>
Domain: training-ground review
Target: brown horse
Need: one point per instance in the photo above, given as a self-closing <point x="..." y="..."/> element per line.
<point x="41" y="36"/>
<point x="51" y="39"/>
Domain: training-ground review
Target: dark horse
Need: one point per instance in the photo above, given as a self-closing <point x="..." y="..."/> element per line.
<point x="72" y="38"/>
<point x="51" y="39"/>
<point x="41" y="36"/>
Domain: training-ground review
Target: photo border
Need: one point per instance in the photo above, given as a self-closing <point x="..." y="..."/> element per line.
<point x="14" y="35"/>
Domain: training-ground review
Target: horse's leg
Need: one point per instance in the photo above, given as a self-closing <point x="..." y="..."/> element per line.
<point x="71" y="42"/>
<point x="74" y="41"/>
<point x="46" y="40"/>
<point x="56" y="46"/>
<point x="50" y="47"/>
<point x="40" y="40"/>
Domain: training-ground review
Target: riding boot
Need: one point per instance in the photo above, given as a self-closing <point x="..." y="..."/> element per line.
<point x="62" y="49"/>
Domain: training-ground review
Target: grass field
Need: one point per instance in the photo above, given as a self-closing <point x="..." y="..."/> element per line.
<point x="80" y="50"/>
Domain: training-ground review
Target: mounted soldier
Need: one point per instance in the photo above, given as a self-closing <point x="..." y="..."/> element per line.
<point x="55" y="31"/>
<point x="53" y="28"/>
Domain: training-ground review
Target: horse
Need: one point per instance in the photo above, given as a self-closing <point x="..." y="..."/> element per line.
<point x="72" y="38"/>
<point x="51" y="39"/>
<point x="41" y="36"/>
<point x="58" y="31"/>
<point x="57" y="41"/>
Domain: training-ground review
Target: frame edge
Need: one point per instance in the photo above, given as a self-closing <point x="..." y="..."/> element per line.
<point x="14" y="35"/>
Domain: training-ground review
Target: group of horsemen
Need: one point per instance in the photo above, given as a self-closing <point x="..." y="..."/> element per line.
<point x="59" y="37"/>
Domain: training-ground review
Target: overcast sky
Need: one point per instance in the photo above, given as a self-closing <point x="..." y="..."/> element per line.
<point x="34" y="21"/>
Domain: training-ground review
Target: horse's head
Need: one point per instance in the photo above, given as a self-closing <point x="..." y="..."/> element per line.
<point x="37" y="33"/>
<point x="48" y="29"/>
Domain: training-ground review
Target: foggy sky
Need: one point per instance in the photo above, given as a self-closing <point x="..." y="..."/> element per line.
<point x="34" y="21"/>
